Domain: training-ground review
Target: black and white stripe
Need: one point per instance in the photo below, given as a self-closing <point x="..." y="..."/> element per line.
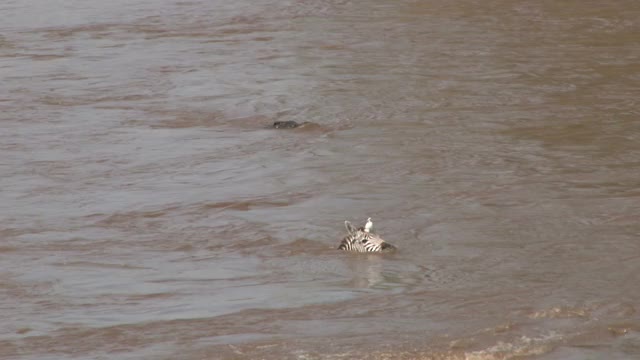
<point x="359" y="240"/>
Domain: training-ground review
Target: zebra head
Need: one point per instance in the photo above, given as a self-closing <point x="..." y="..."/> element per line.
<point x="362" y="240"/>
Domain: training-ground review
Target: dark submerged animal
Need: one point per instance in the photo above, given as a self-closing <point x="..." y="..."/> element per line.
<point x="286" y="124"/>
<point x="290" y="124"/>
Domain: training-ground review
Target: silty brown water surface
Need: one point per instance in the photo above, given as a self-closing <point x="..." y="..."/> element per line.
<point x="147" y="213"/>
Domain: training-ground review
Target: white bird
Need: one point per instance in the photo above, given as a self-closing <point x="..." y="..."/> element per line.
<point x="368" y="225"/>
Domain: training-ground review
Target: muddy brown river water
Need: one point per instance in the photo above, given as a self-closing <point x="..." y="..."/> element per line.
<point x="147" y="212"/>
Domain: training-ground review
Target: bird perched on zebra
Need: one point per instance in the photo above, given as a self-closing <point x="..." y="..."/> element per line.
<point x="368" y="225"/>
<point x="363" y="240"/>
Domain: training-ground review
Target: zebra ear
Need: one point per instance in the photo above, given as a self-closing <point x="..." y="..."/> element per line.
<point x="350" y="228"/>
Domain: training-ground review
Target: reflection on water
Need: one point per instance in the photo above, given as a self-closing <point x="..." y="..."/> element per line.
<point x="367" y="273"/>
<point x="148" y="210"/>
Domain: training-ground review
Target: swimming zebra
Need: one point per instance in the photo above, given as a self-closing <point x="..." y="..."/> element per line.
<point x="362" y="240"/>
